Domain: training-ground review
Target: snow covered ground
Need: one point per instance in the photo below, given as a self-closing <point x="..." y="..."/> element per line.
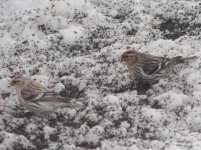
<point x="72" y="46"/>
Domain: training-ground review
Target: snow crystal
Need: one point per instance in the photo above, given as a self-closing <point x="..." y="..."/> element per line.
<point x="111" y="100"/>
<point x="173" y="147"/>
<point x="44" y="80"/>
<point x="194" y="119"/>
<point x="31" y="127"/>
<point x="73" y="34"/>
<point x="48" y="131"/>
<point x="172" y="100"/>
<point x="196" y="145"/>
<point x="5" y="85"/>
<point x="93" y="136"/>
<point x="59" y="87"/>
<point x="10" y="139"/>
<point x="134" y="147"/>
<point x="92" y="117"/>
<point x="125" y="124"/>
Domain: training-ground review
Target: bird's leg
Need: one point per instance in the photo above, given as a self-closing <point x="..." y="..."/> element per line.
<point x="133" y="85"/>
<point x="140" y="87"/>
<point x="143" y="86"/>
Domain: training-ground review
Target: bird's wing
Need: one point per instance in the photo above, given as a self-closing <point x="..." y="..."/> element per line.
<point x="51" y="96"/>
<point x="31" y="95"/>
<point x="40" y="96"/>
<point x="153" y="65"/>
<point x="33" y="91"/>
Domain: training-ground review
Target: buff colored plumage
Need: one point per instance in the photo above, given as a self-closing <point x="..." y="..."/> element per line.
<point x="37" y="98"/>
<point x="148" y="68"/>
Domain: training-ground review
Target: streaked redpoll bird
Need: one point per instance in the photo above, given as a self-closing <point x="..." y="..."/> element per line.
<point x="150" y="69"/>
<point x="37" y="98"/>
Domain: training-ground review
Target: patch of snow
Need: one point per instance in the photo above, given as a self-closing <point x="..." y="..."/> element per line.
<point x="73" y="35"/>
<point x="31" y="127"/>
<point x="10" y="139"/>
<point x="5" y="85"/>
<point x="59" y="87"/>
<point x="48" y="131"/>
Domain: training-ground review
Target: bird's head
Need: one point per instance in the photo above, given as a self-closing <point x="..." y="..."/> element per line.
<point x="129" y="57"/>
<point x="19" y="81"/>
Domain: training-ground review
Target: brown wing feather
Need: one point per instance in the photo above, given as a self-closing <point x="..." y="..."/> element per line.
<point x="52" y="96"/>
<point x="32" y="91"/>
<point x="151" y="65"/>
<point x="150" y="68"/>
<point x="29" y="94"/>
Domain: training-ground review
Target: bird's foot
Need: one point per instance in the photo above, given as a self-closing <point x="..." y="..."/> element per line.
<point x="143" y="87"/>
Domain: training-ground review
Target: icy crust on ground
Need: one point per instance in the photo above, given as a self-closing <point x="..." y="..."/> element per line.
<point x="72" y="47"/>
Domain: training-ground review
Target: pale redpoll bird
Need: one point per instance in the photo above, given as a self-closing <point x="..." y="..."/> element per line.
<point x="148" y="68"/>
<point x="37" y="98"/>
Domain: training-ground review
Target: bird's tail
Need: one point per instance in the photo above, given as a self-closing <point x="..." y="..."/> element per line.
<point x="190" y="58"/>
<point x="72" y="103"/>
<point x="179" y="59"/>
